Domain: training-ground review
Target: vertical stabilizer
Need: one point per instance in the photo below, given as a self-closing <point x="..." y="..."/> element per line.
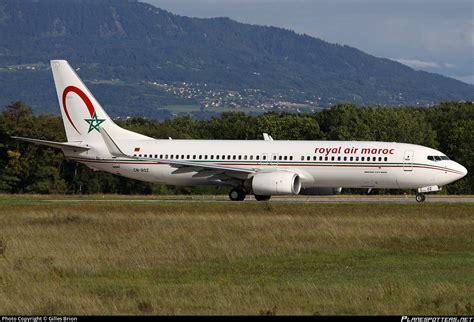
<point x="82" y="114"/>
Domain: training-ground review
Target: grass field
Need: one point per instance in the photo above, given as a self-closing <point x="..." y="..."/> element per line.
<point x="235" y="258"/>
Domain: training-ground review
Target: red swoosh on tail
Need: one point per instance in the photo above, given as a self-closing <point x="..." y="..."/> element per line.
<point x="85" y="99"/>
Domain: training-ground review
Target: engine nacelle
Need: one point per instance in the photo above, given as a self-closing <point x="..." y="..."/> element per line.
<point x="320" y="191"/>
<point x="276" y="183"/>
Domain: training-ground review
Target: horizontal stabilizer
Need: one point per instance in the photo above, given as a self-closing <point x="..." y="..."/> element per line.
<point x="58" y="145"/>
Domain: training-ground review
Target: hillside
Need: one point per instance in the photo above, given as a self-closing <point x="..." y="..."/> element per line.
<point x="137" y="57"/>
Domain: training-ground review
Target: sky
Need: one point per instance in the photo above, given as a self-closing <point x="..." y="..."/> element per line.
<point x="432" y="35"/>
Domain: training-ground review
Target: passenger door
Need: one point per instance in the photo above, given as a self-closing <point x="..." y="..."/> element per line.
<point x="408" y="161"/>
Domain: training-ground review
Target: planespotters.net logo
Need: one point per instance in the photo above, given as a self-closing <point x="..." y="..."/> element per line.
<point x="437" y="319"/>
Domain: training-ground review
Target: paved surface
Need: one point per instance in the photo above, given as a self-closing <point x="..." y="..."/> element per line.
<point x="322" y="199"/>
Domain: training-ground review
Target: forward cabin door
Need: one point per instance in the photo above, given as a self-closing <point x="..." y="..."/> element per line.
<point x="408" y="161"/>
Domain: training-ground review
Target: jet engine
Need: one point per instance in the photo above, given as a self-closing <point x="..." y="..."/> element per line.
<point x="276" y="183"/>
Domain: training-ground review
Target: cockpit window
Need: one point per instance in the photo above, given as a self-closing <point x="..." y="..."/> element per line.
<point x="437" y="157"/>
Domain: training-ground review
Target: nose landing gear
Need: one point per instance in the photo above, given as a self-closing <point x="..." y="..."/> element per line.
<point x="420" y="197"/>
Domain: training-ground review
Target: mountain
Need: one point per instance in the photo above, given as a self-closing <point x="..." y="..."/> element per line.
<point x="140" y="60"/>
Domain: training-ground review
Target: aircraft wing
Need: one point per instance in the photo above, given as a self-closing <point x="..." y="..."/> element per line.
<point x="213" y="172"/>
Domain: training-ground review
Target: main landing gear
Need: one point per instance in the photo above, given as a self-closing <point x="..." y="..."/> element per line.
<point x="420" y="197"/>
<point x="237" y="194"/>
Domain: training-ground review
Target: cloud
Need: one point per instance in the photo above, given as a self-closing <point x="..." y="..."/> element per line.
<point x="468" y="36"/>
<point x="416" y="63"/>
<point x="449" y="65"/>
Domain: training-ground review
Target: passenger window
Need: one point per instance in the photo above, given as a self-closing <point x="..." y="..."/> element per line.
<point x="380" y="159"/>
<point x="332" y="158"/>
<point x="264" y="157"/>
<point x="291" y="158"/>
<point x="362" y="158"/>
<point x="217" y="156"/>
<point x="257" y="157"/>
<point x="166" y="156"/>
<point x="357" y="158"/>
<point x="251" y="157"/>
<point x="200" y="156"/>
<point x="280" y="158"/>
<point x="205" y="157"/>
<point x="321" y="158"/>
<point x="171" y="156"/>
<point x="326" y="158"/>
<point x="182" y="156"/>
<point x="140" y="155"/>
<point x="352" y="158"/>
<point x="228" y="157"/>
<point x="194" y="157"/>
<point x="240" y="157"/>
<point x="177" y="156"/>
<point x="385" y="159"/>
<point x="145" y="155"/>
<point x="286" y="158"/>
<point x="274" y="157"/>
<point x="338" y="158"/>
<point x="345" y="158"/>
<point x="315" y="158"/>
<point x="302" y="158"/>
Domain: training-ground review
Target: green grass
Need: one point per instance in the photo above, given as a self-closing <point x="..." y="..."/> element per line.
<point x="199" y="257"/>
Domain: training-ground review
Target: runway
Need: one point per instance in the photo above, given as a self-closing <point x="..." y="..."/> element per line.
<point x="298" y="199"/>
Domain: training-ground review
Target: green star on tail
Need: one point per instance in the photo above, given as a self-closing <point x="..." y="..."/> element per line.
<point x="94" y="123"/>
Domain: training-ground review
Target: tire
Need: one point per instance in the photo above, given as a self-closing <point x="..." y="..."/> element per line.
<point x="237" y="194"/>
<point x="262" y="197"/>
<point x="420" y="197"/>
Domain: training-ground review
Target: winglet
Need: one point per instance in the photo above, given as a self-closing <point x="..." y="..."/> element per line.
<point x="111" y="145"/>
<point x="267" y="137"/>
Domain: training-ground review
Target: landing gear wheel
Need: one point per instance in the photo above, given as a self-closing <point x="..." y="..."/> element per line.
<point x="237" y="194"/>
<point x="262" y="197"/>
<point x="420" y="197"/>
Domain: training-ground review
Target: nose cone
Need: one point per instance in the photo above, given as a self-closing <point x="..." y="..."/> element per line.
<point x="462" y="170"/>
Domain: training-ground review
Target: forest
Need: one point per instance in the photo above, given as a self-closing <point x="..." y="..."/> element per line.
<point x="29" y="168"/>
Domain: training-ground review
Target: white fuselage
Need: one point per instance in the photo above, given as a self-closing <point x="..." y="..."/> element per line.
<point x="346" y="164"/>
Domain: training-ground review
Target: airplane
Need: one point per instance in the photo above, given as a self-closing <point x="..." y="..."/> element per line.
<point x="263" y="167"/>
